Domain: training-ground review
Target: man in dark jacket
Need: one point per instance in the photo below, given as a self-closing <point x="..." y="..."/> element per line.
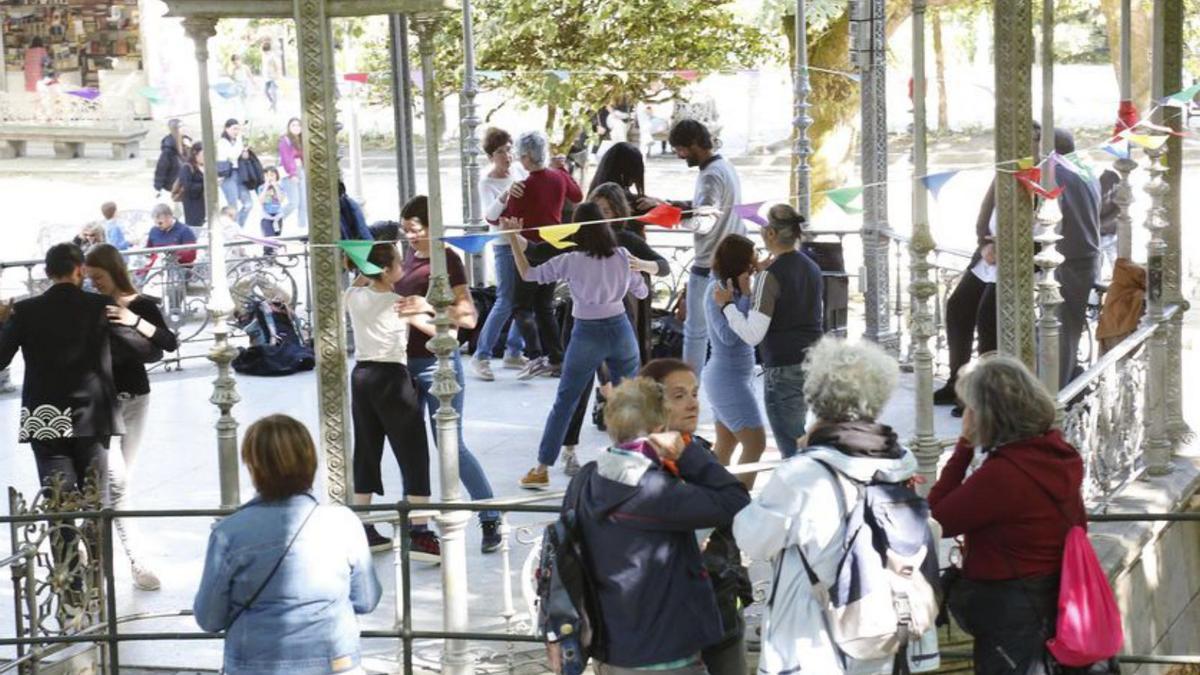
<point x="1080" y="249"/>
<point x="639" y="518"/>
<point x="170" y="158"/>
<point x="68" y="400"/>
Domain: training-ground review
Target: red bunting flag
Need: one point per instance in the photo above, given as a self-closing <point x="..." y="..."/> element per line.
<point x="1031" y="179"/>
<point x="360" y="78"/>
<point x="663" y="215"/>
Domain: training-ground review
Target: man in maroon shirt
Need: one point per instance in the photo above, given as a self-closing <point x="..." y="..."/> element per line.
<point x="544" y="193"/>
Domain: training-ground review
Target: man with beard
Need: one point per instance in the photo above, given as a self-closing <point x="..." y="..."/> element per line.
<point x="712" y="217"/>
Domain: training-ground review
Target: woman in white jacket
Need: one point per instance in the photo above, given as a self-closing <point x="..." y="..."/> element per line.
<point x="846" y="386"/>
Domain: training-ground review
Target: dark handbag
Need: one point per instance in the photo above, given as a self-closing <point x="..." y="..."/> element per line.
<point x="271" y="575"/>
<point x="224" y="169"/>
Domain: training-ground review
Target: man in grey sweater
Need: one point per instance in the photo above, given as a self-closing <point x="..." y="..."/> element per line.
<point x="711" y="218"/>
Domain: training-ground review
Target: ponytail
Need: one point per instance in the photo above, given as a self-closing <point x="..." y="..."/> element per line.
<point x="787" y="223"/>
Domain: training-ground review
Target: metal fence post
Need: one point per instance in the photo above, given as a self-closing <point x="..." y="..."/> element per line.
<point x="110" y="591"/>
<point x="1157" y="447"/>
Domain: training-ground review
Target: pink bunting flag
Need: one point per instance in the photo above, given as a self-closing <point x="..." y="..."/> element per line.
<point x="750" y="212"/>
<point x="1031" y="178"/>
<point x="687" y="75"/>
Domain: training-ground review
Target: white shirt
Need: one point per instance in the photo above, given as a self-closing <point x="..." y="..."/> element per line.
<point x="492" y="193"/>
<point x="983" y="269"/>
<point x="229" y="151"/>
<point x="379" y="334"/>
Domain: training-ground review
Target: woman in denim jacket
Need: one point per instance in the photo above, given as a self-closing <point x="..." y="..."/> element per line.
<point x="283" y="576"/>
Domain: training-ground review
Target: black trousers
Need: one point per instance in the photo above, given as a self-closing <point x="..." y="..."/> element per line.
<point x="1076" y="277"/>
<point x="533" y="312"/>
<point x="970" y="312"/>
<point x="71" y="458"/>
<point x="385" y="403"/>
<point x="1010" y="621"/>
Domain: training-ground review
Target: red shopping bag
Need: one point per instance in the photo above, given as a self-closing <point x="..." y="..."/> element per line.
<point x="1089" y="623"/>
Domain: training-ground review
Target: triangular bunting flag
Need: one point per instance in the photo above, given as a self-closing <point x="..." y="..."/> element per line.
<point x="750" y="212"/>
<point x="85" y="94"/>
<point x="418" y="79"/>
<point x="357" y="251"/>
<point x="561" y="75"/>
<point x="227" y="89"/>
<point x="934" y="182"/>
<point x="843" y="196"/>
<point x="687" y="75"/>
<point x="1025" y="163"/>
<point x="1127" y="117"/>
<point x="1116" y="150"/>
<point x="471" y="243"/>
<point x="556" y="235"/>
<point x="1162" y="129"/>
<point x="1183" y="97"/>
<point x="1030" y="179"/>
<point x="360" y="78"/>
<point x="663" y="215"/>
<point x="1146" y="141"/>
<point x="151" y="94"/>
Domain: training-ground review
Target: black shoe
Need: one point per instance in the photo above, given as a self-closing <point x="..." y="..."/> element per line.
<point x="598" y="411"/>
<point x="491" y="536"/>
<point x="375" y="541"/>
<point x="945" y="395"/>
<point x="956" y="411"/>
<point x="425" y="546"/>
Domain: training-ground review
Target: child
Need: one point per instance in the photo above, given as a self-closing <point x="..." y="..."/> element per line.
<point x="271" y="198"/>
<point x="112" y="228"/>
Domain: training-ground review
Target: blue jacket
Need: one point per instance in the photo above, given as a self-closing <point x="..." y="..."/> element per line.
<point x="639" y="526"/>
<point x="304" y="620"/>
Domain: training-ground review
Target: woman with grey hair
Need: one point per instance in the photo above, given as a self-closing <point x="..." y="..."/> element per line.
<point x="804" y="505"/>
<point x="1013" y="513"/>
<point x="784" y="319"/>
<point x="546" y="190"/>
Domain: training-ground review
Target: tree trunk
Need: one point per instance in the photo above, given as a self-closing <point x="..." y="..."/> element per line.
<point x="1142" y="31"/>
<point x="939" y="58"/>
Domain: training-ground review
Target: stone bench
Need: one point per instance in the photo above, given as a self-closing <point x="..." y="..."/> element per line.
<point x="69" y="141"/>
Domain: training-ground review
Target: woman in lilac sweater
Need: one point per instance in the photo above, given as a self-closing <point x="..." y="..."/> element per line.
<point x="291" y="160"/>
<point x="599" y="276"/>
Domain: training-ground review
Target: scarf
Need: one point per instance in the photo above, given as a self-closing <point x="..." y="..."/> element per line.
<point x="858" y="439"/>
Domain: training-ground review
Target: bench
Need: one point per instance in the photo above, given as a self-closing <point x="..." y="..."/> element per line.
<point x="69" y="141"/>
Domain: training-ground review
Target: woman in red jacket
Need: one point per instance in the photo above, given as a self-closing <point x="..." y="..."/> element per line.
<point x="1013" y="512"/>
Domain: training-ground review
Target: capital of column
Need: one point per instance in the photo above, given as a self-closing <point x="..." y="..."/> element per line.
<point x="424" y="24"/>
<point x="200" y="29"/>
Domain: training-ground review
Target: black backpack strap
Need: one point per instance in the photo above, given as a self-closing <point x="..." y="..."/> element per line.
<point x="271" y="575"/>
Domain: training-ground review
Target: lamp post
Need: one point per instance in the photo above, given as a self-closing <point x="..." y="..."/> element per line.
<point x="1123" y="195"/>
<point x="921" y="286"/>
<point x="472" y="207"/>
<point x="1049" y="297"/>
<point x="220" y="304"/>
<point x="802" y="148"/>
<point x="406" y="173"/>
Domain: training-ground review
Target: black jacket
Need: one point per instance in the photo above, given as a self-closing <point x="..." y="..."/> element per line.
<point x="129" y="369"/>
<point x="193" y="195"/>
<point x="68" y="390"/>
<point x="169" y="163"/>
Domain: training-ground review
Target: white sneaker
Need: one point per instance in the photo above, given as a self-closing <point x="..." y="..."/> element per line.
<point x="515" y="362"/>
<point x="570" y="463"/>
<point x="144" y="579"/>
<point x="483" y="370"/>
<point x="534" y="368"/>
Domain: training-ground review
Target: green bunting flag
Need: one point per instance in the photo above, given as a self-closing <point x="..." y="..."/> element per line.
<point x="358" y="252"/>
<point x="843" y="196"/>
<point x="1186" y="95"/>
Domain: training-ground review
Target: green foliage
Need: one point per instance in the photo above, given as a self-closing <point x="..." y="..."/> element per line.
<point x="820" y="14"/>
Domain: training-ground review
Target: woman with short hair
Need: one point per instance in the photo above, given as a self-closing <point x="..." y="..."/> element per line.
<point x="798" y="521"/>
<point x="283" y="576"/>
<point x="599" y="276"/>
<point x="784" y="318"/>
<point x="1013" y="513"/>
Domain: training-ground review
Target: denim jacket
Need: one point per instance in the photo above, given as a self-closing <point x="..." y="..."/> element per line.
<point x="304" y="620"/>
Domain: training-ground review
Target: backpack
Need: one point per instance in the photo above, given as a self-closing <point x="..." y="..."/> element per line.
<point x="567" y="601"/>
<point x="885" y="592"/>
<point x="250" y="171"/>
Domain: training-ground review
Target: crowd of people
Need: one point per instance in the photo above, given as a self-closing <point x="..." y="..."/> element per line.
<point x="665" y="525"/>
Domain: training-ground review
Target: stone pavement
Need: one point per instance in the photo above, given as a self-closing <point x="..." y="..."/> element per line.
<point x="178" y="469"/>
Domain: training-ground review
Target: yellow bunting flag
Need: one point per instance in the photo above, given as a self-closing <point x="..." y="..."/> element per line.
<point x="1146" y="141"/>
<point x="556" y="235"/>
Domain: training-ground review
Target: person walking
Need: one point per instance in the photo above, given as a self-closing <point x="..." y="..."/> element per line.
<point x="717" y="191"/>
<point x="272" y="72"/>
<point x="422" y="363"/>
<point x="784" y="319"/>
<point x="140" y="313"/>
<point x="638" y="509"/>
<point x="722" y="559"/>
<point x="730" y="368"/>
<point x="1080" y="249"/>
<point x="170" y="158"/>
<point x="798" y="521"/>
<point x="1013" y="513"/>
<point x="231" y="151"/>
<point x="503" y="181"/>
<point x="385" y="401"/>
<point x="189" y="188"/>
<point x="284" y="576"/>
<point x="544" y="192"/>
<point x="37" y="62"/>
<point x="599" y="275"/>
<point x="291" y="159"/>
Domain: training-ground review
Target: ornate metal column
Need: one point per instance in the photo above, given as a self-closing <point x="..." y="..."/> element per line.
<point x="472" y="208"/>
<point x="868" y="49"/>
<point x="320" y="156"/>
<point x="1123" y="196"/>
<point x="1014" y="133"/>
<point x="1171" y="54"/>
<point x="921" y="287"/>
<point x="406" y="170"/>
<point x="802" y="147"/>
<point x="220" y="304"/>
<point x="1049" y="217"/>
<point x="452" y="525"/>
<point x="1157" y="446"/>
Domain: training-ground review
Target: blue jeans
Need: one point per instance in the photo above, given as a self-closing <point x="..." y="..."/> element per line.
<point x="236" y="193"/>
<point x="296" y="189"/>
<point x="593" y="342"/>
<point x="695" y="327"/>
<point x="506" y="286"/>
<point x="783" y="397"/>
<point x="469" y="469"/>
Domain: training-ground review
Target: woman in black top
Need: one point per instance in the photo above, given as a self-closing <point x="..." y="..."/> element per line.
<point x="623" y="165"/>
<point x="189" y="187"/>
<point x="610" y="197"/>
<point x="106" y="269"/>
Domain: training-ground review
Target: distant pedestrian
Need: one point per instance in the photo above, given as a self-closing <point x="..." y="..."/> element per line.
<point x="231" y="152"/>
<point x="113" y="233"/>
<point x="291" y="160"/>
<point x="272" y="72"/>
<point x="189" y="188"/>
<point x="37" y="62"/>
<point x="285" y="577"/>
<point x="170" y="158"/>
<point x="272" y="200"/>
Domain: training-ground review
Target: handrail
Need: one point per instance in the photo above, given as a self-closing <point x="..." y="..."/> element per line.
<point x="1112" y="356"/>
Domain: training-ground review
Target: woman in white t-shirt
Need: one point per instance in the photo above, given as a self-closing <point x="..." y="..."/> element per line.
<point x="385" y="402"/>
<point x="231" y="150"/>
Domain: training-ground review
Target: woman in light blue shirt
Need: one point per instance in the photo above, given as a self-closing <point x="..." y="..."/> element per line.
<point x="284" y="577"/>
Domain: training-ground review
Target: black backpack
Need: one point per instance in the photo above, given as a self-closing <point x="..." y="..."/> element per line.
<point x="567" y="599"/>
<point x="250" y="171"/>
